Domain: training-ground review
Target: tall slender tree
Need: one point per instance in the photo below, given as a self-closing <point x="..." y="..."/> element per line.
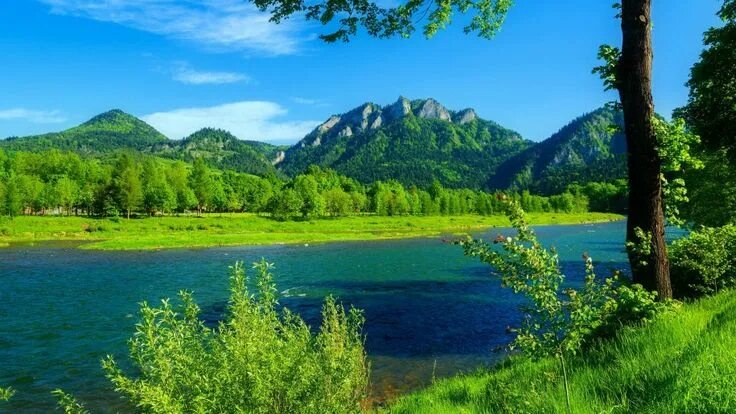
<point x="634" y="73"/>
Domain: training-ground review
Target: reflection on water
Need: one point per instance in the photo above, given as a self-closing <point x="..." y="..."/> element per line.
<point x="429" y="310"/>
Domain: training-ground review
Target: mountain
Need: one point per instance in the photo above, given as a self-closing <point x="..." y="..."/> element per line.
<point x="116" y="130"/>
<point x="223" y="150"/>
<point x="106" y="132"/>
<point x="414" y="142"/>
<point x="586" y="149"/>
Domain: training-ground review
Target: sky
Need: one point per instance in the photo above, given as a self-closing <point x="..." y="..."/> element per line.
<point x="182" y="65"/>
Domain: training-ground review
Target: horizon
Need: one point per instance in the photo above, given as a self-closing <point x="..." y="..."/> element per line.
<point x="229" y="68"/>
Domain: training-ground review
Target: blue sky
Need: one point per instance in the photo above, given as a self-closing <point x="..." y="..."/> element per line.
<point x="183" y="65"/>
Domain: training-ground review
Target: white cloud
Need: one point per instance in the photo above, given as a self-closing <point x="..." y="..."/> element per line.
<point x="186" y="74"/>
<point x="254" y="120"/>
<point x="38" y="117"/>
<point x="229" y="25"/>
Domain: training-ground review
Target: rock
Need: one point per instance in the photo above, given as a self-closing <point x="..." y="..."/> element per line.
<point x="397" y="110"/>
<point x="431" y="109"/>
<point x="280" y="156"/>
<point x="465" y="116"/>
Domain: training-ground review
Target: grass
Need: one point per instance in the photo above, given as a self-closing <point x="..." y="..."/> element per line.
<point x="251" y="229"/>
<point x="684" y="362"/>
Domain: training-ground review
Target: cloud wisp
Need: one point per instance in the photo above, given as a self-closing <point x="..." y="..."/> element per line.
<point x="220" y="25"/>
<point x="34" y="116"/>
<point x="185" y="74"/>
<point x="253" y="120"/>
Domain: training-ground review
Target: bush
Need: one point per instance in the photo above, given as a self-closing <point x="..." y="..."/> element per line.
<point x="258" y="360"/>
<point x="704" y="262"/>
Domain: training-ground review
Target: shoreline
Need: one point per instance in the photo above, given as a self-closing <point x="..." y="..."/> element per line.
<point x="157" y="233"/>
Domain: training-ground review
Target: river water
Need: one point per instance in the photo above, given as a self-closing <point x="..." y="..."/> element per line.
<point x="429" y="310"/>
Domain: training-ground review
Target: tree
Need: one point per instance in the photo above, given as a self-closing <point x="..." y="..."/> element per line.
<point x="127" y="183"/>
<point x="630" y="73"/>
<point x="202" y="184"/>
<point x="313" y="205"/>
<point x="286" y="204"/>
<point x="157" y="193"/>
<point x="711" y="108"/>
<point x="68" y="192"/>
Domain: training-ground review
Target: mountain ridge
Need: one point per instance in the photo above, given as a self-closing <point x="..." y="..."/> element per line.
<point x="414" y="141"/>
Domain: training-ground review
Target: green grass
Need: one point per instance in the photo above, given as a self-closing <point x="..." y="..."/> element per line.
<point x="251" y="229"/>
<point x="684" y="362"/>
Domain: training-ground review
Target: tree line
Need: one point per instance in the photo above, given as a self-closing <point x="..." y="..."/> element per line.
<point x="64" y="183"/>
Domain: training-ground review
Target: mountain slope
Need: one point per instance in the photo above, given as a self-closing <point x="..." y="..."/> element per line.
<point x="106" y="132"/>
<point x="584" y="150"/>
<point x="223" y="150"/>
<point x="414" y="142"/>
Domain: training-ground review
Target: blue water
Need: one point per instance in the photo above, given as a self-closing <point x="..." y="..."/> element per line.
<point x="428" y="307"/>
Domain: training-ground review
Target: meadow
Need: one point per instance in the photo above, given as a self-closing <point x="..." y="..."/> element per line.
<point x="252" y="229"/>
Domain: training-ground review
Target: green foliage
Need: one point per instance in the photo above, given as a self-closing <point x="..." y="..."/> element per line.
<point x="397" y="20"/>
<point x="610" y="56"/>
<point x="711" y="191"/>
<point x="675" y="148"/>
<point x="68" y="403"/>
<point x="704" y="262"/>
<point x="6" y="393"/>
<point x="258" y="360"/>
<point x="711" y="108"/>
<point x="558" y="321"/>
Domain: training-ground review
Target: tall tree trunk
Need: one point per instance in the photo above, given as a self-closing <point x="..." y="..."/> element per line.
<point x="645" y="187"/>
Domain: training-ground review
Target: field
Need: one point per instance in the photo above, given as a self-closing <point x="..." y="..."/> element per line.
<point x="251" y="229"/>
<point x="684" y="362"/>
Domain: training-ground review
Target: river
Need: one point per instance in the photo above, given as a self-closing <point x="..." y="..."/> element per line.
<point x="429" y="310"/>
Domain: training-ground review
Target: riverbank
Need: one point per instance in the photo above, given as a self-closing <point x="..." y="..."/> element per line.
<point x="252" y="229"/>
<point x="682" y="362"/>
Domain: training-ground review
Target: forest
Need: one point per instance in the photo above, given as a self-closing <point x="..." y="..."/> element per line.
<point x="55" y="182"/>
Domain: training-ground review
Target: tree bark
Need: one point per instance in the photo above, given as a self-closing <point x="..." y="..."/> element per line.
<point x="634" y="76"/>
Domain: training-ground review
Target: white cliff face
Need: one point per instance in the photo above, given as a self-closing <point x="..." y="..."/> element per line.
<point x="465" y="116"/>
<point x="280" y="157"/>
<point x="431" y="109"/>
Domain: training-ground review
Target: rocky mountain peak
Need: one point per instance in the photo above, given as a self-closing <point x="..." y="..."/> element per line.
<point x="397" y="110"/>
<point x="431" y="109"/>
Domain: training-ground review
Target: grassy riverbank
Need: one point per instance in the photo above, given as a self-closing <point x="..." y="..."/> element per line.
<point x="685" y="362"/>
<point x="251" y="229"/>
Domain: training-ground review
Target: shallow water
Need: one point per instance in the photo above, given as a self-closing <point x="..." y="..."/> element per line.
<point x="430" y="310"/>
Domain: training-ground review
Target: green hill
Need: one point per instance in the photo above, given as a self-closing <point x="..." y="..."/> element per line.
<point x="584" y="150"/>
<point x="116" y="130"/>
<point x="106" y="132"/>
<point x="683" y="362"/>
<point x="223" y="150"/>
<point x="414" y="142"/>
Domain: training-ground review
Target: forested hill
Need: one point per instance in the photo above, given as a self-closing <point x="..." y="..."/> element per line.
<point x="414" y="142"/>
<point x="116" y="130"/>
<point x="587" y="149"/>
<point x="106" y="132"/>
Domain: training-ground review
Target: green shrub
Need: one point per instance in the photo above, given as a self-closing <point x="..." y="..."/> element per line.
<point x="258" y="360"/>
<point x="558" y="321"/>
<point x="704" y="262"/>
